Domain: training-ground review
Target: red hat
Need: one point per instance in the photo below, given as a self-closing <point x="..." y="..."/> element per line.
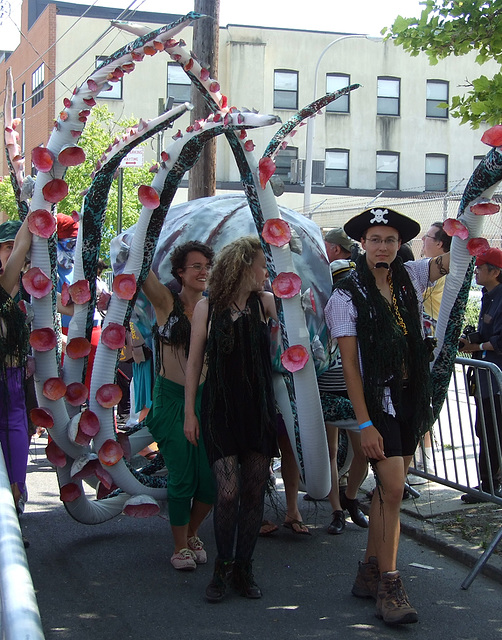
<point x="492" y="256"/>
<point x="67" y="227"/>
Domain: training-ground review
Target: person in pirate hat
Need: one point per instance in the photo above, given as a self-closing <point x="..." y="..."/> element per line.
<point x="376" y="315"/>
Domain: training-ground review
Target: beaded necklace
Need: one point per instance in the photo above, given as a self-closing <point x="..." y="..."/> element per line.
<point x="395" y="308"/>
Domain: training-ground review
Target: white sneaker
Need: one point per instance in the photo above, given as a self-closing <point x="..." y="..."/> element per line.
<point x="196" y="546"/>
<point x="184" y="560"/>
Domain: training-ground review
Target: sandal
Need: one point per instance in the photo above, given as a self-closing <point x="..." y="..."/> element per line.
<point x="267" y="529"/>
<point x="297" y="527"/>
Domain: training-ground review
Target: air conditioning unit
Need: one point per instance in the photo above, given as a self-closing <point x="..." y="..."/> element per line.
<point x="318" y="172"/>
<point x="297" y="171"/>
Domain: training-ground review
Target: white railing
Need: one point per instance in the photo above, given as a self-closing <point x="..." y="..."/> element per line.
<point x="19" y="615"/>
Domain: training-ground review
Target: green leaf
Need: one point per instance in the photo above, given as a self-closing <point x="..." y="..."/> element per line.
<point x="481" y="84"/>
<point x="401" y="24"/>
<point x="478" y="108"/>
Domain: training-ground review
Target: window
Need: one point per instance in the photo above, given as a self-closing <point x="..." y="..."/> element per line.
<point x="477" y="160"/>
<point x="337" y="168"/>
<point x="334" y="82"/>
<point x="14" y="105"/>
<point x="37" y="85"/>
<point x="115" y="88"/>
<point x="387" y="170"/>
<point x="283" y="162"/>
<point x="388" y="93"/>
<point x="285" y="89"/>
<point x="178" y="83"/>
<point x="437" y="92"/>
<point x="436" y="172"/>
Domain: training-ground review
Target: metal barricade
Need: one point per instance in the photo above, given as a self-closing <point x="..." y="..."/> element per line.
<point x="463" y="424"/>
<point x="20" y="617"/>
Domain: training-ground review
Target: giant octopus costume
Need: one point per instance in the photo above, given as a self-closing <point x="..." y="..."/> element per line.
<point x="84" y="443"/>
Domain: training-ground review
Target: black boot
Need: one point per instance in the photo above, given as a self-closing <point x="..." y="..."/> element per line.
<point x="243" y="580"/>
<point x="352" y="506"/>
<point x="216" y="589"/>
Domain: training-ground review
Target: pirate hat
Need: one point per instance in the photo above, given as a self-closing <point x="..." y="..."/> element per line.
<point x="358" y="225"/>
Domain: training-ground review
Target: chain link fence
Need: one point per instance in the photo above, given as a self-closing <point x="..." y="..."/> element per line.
<point x="425" y="208"/>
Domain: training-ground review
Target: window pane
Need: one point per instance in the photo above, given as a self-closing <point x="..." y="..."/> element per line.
<point x="435" y="164"/>
<point x="337" y="160"/>
<point x="388" y="88"/>
<point x="388" y="106"/>
<point x="386" y="180"/>
<point x="435" y="182"/>
<point x="437" y="91"/>
<point x="335" y="82"/>
<point x="114" y="92"/>
<point x="176" y="75"/>
<point x="387" y="162"/>
<point x="335" y="178"/>
<point x="285" y="99"/>
<point x="283" y="161"/>
<point x="433" y="111"/>
<point x="180" y="93"/>
<point x="341" y="105"/>
<point x="285" y="81"/>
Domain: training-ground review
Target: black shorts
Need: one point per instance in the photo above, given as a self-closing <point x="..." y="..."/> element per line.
<point x="398" y="437"/>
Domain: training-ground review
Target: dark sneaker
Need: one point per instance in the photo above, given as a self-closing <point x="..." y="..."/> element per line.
<point x="392" y="605"/>
<point x="467" y="498"/>
<point x="337" y="524"/>
<point x="352" y="506"/>
<point x="367" y="579"/>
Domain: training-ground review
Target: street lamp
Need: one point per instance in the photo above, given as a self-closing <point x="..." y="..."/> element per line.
<point x="307" y="188"/>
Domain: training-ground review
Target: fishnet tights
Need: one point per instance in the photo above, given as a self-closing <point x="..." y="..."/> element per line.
<point x="238" y="511"/>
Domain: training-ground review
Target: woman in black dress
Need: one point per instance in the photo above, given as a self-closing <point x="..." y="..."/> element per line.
<point x="238" y="412"/>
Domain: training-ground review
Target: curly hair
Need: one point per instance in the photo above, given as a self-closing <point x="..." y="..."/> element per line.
<point x="179" y="255"/>
<point x="232" y="267"/>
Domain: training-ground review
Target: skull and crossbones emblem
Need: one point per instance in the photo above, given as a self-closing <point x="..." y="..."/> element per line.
<point x="379" y="216"/>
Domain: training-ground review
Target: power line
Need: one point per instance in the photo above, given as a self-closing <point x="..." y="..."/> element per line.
<point x="41" y="56"/>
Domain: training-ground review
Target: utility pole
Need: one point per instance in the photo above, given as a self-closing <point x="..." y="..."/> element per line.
<point x="206" y="35"/>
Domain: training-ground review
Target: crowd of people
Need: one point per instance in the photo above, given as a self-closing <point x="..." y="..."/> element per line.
<point x="213" y="413"/>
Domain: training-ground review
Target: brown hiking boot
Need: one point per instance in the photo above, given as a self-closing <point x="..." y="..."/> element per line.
<point x="367" y="579"/>
<point x="392" y="605"/>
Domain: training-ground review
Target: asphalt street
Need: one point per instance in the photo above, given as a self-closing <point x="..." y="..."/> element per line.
<point x="115" y="580"/>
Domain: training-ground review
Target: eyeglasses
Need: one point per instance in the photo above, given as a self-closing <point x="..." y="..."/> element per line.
<point x="197" y="266"/>
<point x="431" y="237"/>
<point x="389" y="242"/>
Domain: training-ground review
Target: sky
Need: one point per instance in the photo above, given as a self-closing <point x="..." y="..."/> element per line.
<point x="356" y="16"/>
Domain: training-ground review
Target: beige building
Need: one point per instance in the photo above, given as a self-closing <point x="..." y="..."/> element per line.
<point x="387" y="136"/>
